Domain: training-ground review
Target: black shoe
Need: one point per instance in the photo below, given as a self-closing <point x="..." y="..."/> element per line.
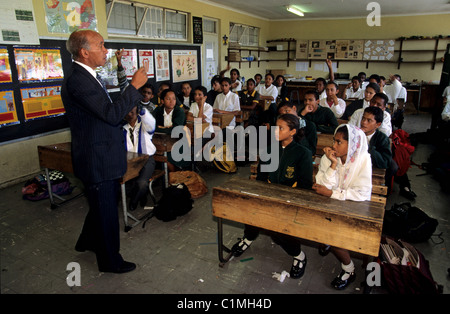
<point x="124" y="268"/>
<point x="296" y="270"/>
<point x="339" y="283"/>
<point x="239" y="248"/>
<point x="408" y="193"/>
<point x="324" y="249"/>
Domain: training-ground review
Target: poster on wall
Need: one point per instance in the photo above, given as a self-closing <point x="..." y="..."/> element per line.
<point x="38" y="64"/>
<point x="8" y="112"/>
<point x="162" y="65"/>
<point x="322" y="49"/>
<point x="349" y="49"/>
<point x="197" y="30"/>
<point x="379" y="49"/>
<point x="146" y="61"/>
<point x="66" y="16"/>
<point x="108" y="72"/>
<point x="18" y="24"/>
<point x="5" y="69"/>
<point x="42" y="102"/>
<point x="184" y="65"/>
<point x="301" y="49"/>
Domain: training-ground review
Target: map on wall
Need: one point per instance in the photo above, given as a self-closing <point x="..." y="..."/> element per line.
<point x="66" y="16"/>
<point x="349" y="49"/>
<point x="184" y="65"/>
<point x="379" y="49"/>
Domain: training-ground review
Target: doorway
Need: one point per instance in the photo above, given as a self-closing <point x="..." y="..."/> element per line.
<point x="210" y="51"/>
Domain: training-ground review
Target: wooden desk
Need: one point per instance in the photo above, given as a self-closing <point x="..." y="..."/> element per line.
<point x="323" y="140"/>
<point x="355" y="226"/>
<point x="222" y="120"/>
<point x="59" y="157"/>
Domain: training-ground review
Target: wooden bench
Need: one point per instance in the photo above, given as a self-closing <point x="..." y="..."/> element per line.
<point x="355" y="226"/>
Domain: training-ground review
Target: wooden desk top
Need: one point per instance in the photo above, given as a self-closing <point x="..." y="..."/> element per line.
<point x="163" y="142"/>
<point x="224" y="118"/>
<point x="301" y="213"/>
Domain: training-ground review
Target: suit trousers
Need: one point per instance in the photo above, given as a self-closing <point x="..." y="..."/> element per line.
<point x="100" y="231"/>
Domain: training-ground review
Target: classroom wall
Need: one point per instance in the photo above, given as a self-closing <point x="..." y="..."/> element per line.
<point x="391" y="28"/>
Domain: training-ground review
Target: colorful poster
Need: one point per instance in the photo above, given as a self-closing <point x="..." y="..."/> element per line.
<point x="162" y="65"/>
<point x="8" y="112"/>
<point x="18" y="24"/>
<point x="66" y="16"/>
<point x="146" y="61"/>
<point x="41" y="102"/>
<point x="5" y="69"/>
<point x="184" y="65"/>
<point x="349" y="49"/>
<point x="38" y="64"/>
<point x="108" y="72"/>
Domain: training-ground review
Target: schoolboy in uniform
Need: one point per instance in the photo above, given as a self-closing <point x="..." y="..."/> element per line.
<point x="249" y="100"/>
<point x="215" y="90"/>
<point x="354" y="89"/>
<point x="370" y="91"/>
<point x="227" y="101"/>
<point x="322" y="117"/>
<point x="379" y="144"/>
<point x="186" y="97"/>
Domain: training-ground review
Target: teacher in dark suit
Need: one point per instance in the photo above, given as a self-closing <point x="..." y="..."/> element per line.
<point x="98" y="152"/>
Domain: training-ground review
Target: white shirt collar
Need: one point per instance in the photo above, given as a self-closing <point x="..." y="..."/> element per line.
<point x="88" y="68"/>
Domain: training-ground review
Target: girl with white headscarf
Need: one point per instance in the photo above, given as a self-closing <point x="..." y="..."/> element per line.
<point x="345" y="173"/>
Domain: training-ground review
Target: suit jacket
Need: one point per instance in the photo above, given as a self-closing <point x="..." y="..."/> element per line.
<point x="98" y="149"/>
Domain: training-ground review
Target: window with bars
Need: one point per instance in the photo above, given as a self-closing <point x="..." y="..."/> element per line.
<point x="140" y="20"/>
<point x="244" y="35"/>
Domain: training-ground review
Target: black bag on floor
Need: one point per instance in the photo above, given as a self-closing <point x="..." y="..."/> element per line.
<point x="175" y="201"/>
<point x="408" y="223"/>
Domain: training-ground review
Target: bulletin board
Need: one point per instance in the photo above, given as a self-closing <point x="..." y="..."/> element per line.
<point x="379" y="49"/>
<point x="30" y="104"/>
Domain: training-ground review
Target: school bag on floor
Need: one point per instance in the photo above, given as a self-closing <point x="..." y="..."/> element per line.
<point x="195" y="183"/>
<point x="408" y="223"/>
<point x="37" y="189"/>
<point x="223" y="159"/>
<point x="405" y="270"/>
<point x="176" y="201"/>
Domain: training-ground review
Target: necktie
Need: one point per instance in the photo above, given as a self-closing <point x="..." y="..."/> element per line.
<point x="99" y="78"/>
<point x="132" y="135"/>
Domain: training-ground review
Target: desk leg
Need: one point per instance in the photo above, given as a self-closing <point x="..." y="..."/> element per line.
<point x="126" y="214"/>
<point x="49" y="187"/>
<point x="221" y="247"/>
<point x="54" y="204"/>
<point x="166" y="172"/>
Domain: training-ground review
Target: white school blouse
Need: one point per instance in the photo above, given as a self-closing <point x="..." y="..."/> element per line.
<point x="207" y="111"/>
<point x="228" y="102"/>
<point x="338" y="109"/>
<point x="350" y="93"/>
<point x="359" y="190"/>
<point x="272" y="90"/>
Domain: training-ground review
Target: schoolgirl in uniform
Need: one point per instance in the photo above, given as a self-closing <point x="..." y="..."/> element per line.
<point x="295" y="170"/>
<point x="345" y="173"/>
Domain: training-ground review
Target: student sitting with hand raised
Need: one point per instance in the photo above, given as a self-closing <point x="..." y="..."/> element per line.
<point x="295" y="170"/>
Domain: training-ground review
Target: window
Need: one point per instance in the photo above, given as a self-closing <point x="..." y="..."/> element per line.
<point x="244" y="35"/>
<point x="140" y="20"/>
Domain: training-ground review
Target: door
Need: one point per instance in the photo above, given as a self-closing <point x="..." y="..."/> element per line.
<point x="210" y="52"/>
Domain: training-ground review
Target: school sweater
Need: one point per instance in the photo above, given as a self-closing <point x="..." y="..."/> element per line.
<point x="324" y="120"/>
<point x="178" y="118"/>
<point x="294" y="169"/>
<point x="380" y="150"/>
<point x="310" y="138"/>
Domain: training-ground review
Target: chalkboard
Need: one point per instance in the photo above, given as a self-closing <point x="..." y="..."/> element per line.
<point x="29" y="128"/>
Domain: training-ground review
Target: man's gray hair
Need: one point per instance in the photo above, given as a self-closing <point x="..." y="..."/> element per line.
<point x="76" y="41"/>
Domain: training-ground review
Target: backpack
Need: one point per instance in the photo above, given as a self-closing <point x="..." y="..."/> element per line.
<point x="195" y="183"/>
<point x="402" y="150"/>
<point x="410" y="273"/>
<point x="36" y="189"/>
<point x="408" y="223"/>
<point x="223" y="159"/>
<point x="175" y="201"/>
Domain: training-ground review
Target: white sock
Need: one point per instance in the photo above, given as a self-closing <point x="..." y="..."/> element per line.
<point x="300" y="257"/>
<point x="350" y="268"/>
<point x="247" y="242"/>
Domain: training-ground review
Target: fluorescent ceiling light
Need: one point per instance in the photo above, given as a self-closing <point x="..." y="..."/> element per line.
<point x="295" y="10"/>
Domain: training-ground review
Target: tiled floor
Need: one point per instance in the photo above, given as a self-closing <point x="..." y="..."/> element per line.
<point x="181" y="256"/>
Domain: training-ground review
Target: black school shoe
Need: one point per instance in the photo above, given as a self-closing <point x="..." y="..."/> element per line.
<point x="339" y="283"/>
<point x="408" y="193"/>
<point x="296" y="270"/>
<point x="124" y="268"/>
<point x="239" y="248"/>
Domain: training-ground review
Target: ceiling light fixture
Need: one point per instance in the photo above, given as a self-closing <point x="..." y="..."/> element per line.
<point x="294" y="10"/>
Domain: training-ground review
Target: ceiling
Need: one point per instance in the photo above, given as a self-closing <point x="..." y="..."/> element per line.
<point x="331" y="9"/>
